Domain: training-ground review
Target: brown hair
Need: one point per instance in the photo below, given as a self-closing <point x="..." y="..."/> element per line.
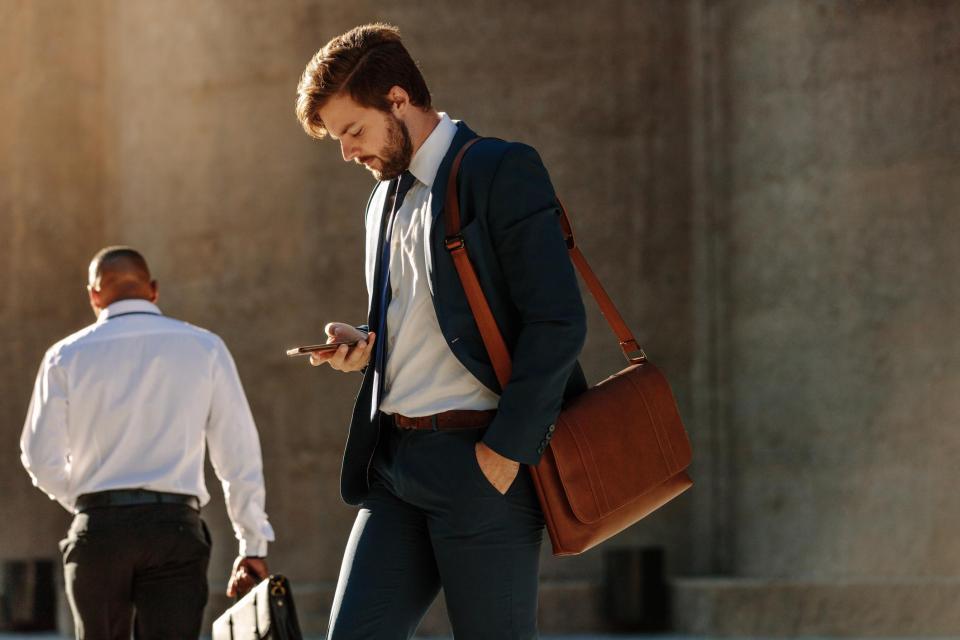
<point x="366" y="62"/>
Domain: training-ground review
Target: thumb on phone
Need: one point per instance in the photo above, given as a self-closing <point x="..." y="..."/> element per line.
<point x="341" y="331"/>
<point x="331" y="330"/>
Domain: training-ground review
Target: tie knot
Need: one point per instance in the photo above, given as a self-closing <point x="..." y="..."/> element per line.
<point x="405" y="182"/>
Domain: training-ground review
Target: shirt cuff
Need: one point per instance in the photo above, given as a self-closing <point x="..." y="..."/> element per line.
<point x="254" y="548"/>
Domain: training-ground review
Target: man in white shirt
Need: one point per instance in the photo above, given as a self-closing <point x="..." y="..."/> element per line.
<point x="116" y="431"/>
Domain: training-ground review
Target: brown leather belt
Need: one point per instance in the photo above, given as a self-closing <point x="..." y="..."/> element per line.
<point x="446" y="421"/>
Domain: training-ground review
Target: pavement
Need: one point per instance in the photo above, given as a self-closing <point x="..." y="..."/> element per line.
<point x="49" y="636"/>
<point x="53" y="636"/>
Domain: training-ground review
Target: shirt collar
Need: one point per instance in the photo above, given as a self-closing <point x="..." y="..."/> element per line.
<point x="426" y="162"/>
<point x="133" y="305"/>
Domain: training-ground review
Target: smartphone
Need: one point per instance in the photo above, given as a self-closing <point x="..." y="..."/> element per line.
<point x="307" y="350"/>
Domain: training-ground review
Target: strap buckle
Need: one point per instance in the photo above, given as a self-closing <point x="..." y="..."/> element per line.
<point x="633" y="352"/>
<point x="454" y="242"/>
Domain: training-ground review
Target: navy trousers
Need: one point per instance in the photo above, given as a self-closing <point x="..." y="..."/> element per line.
<point x="432" y="520"/>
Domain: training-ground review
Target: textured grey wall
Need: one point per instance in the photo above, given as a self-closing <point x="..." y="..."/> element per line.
<point x="170" y="126"/>
<point x="768" y="189"/>
<point x="842" y="141"/>
<point x="827" y="227"/>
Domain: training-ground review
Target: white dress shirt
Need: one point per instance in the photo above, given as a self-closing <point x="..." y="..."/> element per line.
<point x="130" y="402"/>
<point x="423" y="376"/>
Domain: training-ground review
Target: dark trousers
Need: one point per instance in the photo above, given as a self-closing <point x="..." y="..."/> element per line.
<point x="433" y="520"/>
<point x="142" y="567"/>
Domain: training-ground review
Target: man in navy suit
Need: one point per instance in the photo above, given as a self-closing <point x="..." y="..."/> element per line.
<point x="436" y="453"/>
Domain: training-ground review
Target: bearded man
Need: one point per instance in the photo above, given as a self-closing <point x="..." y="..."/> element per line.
<point x="437" y="451"/>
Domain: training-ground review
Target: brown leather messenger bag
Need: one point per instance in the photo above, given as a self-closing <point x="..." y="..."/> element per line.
<point x="619" y="450"/>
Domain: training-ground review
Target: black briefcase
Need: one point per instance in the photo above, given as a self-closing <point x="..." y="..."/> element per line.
<point x="267" y="611"/>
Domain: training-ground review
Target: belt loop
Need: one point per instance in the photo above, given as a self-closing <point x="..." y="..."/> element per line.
<point x="433" y="422"/>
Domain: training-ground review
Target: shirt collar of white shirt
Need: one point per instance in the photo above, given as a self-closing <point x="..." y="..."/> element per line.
<point x="426" y="162"/>
<point x="132" y="305"/>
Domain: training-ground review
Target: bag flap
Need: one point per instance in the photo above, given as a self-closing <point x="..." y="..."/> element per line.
<point x="248" y="618"/>
<point x="617" y="441"/>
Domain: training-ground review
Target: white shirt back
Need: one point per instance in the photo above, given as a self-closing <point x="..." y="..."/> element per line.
<point x="130" y="402"/>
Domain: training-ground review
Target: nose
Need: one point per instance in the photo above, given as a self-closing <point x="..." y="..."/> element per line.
<point x="348" y="151"/>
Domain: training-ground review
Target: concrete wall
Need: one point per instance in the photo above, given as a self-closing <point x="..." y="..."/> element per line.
<point x="170" y="126"/>
<point x="844" y="143"/>
<point x="767" y="188"/>
<point x="829" y="156"/>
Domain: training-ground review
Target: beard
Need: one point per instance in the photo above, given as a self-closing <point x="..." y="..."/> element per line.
<point x="396" y="154"/>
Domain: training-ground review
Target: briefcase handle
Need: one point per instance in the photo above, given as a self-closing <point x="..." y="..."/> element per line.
<point x="489" y="331"/>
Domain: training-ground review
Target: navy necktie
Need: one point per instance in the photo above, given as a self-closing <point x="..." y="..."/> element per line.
<point x="404" y="182"/>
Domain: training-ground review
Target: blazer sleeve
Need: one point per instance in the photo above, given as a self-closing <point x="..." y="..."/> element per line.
<point x="525" y="230"/>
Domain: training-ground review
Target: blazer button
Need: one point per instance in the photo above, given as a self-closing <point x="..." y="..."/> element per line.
<point x="540" y="449"/>
<point x="543" y="442"/>
<point x="549" y="435"/>
<point x="552" y="428"/>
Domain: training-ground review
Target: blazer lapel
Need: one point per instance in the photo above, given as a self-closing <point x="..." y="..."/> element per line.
<point x="437" y="195"/>
<point x="374" y="278"/>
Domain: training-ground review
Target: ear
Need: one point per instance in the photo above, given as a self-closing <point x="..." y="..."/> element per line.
<point x="154" y="291"/>
<point x="399" y="100"/>
<point x="94" y="297"/>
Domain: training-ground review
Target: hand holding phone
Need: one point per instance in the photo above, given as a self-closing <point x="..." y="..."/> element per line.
<point x="347" y="348"/>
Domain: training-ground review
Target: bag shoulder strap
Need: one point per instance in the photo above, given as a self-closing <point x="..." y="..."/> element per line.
<point x="489" y="331"/>
<point x="492" y="337"/>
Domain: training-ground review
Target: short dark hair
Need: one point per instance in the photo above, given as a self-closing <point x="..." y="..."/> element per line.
<point x="116" y="254"/>
<point x="366" y="62"/>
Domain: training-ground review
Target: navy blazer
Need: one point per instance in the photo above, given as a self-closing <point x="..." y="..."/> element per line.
<point x="509" y="217"/>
